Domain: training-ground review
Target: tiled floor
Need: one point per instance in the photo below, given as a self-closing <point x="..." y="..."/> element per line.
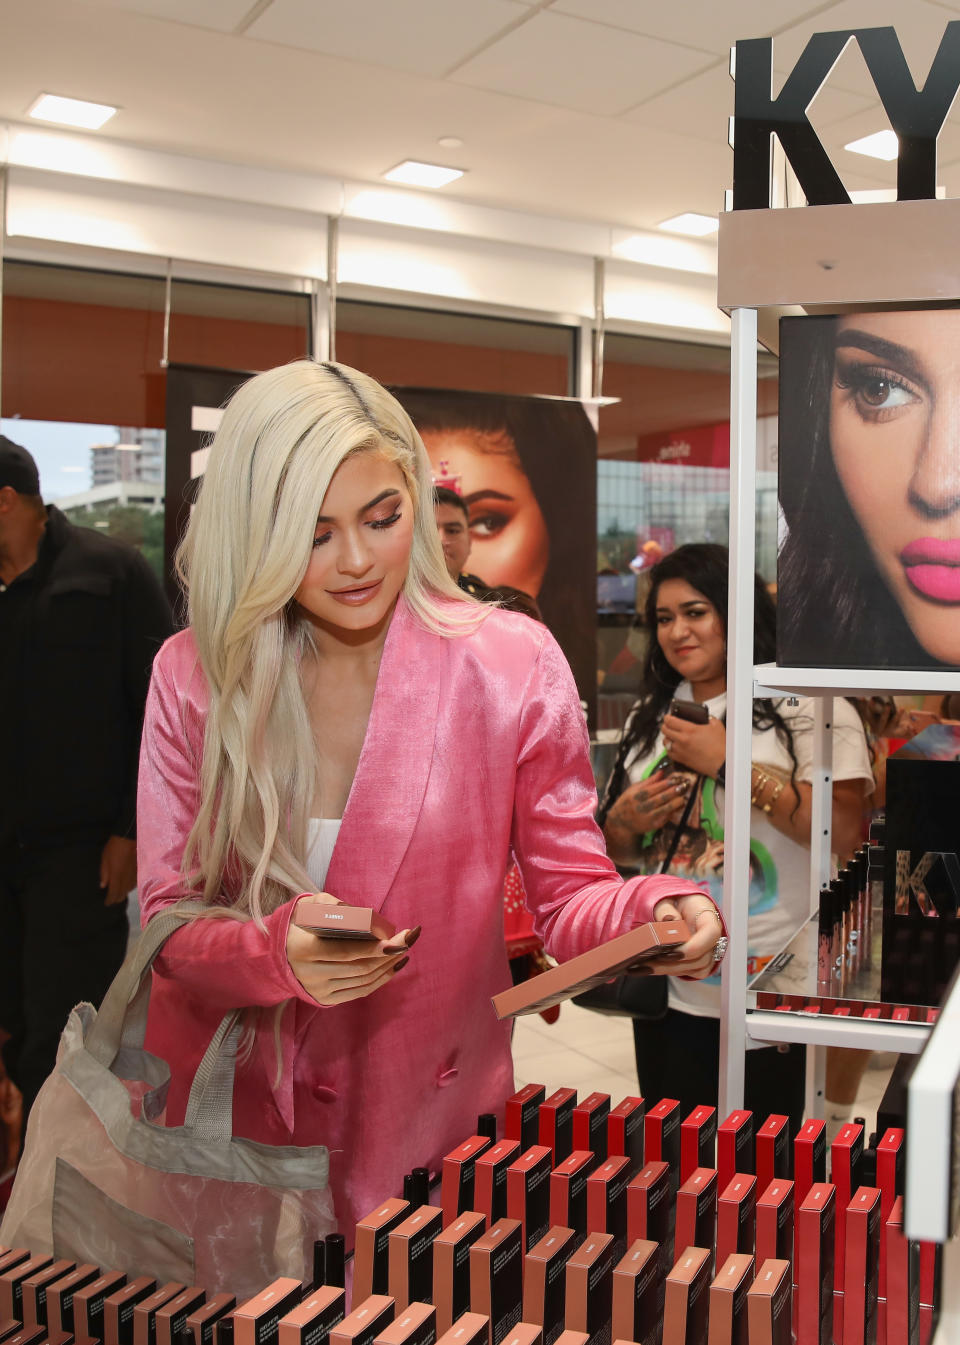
<point x="594" y="1053"/>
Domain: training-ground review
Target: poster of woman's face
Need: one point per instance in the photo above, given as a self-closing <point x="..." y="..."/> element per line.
<point x="526" y="469"/>
<point x="869" y="462"/>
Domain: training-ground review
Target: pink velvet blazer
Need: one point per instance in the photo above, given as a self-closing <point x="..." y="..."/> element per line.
<point x="475" y="745"/>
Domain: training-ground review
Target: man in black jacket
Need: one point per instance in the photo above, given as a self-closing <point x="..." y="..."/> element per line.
<point x="81" y="618"/>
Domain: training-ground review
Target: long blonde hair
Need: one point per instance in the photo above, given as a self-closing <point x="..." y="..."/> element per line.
<point x="283" y="435"/>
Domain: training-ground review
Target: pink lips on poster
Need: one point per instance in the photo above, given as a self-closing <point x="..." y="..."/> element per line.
<point x="932" y="566"/>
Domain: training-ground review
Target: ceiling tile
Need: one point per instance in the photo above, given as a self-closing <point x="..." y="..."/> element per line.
<point x="585" y="66"/>
<point x="696" y="23"/>
<point x="220" y="15"/>
<point x="424" y="37"/>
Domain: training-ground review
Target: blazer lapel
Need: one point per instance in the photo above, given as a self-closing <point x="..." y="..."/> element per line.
<point x="384" y="804"/>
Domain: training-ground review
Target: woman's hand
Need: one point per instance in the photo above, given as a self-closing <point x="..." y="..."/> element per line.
<point x="643" y="807"/>
<point x="334" y="971"/>
<point x="699" y="747"/>
<point x="694" y="958"/>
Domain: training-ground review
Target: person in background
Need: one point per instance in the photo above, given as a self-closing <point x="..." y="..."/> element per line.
<point x="663" y="811"/>
<point x="453" y="524"/>
<point x="81" y="617"/>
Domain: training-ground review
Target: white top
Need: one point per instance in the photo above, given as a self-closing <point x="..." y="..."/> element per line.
<point x="779" y="866"/>
<point x="322" y="833"/>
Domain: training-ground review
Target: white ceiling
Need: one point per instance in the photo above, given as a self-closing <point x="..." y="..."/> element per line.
<point x="607" y="110"/>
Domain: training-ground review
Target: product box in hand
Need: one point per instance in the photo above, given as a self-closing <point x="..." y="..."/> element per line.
<point x="921" y="876"/>
<point x="592" y="968"/>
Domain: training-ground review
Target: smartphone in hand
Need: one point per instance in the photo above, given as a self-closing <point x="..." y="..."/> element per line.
<point x="691" y="711"/>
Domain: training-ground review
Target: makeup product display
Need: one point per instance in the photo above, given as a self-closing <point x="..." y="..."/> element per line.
<point x="490" y="1178"/>
<point x="590" y="1125"/>
<point x="634" y="1260"/>
<point x="590" y="969"/>
<point x="457" y="1182"/>
<point x="735" y="1146"/>
<point x="921" y="872"/>
<point x="772" y="1150"/>
<point x="522" y="1117"/>
<point x="698" y="1141"/>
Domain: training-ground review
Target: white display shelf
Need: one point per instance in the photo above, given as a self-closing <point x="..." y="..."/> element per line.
<point x="824" y="1030"/>
<point x="772" y="679"/>
<point x="933" y="1145"/>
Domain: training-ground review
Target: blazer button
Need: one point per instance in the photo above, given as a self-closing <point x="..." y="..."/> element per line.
<point x="446" y="1077"/>
<point x="324" y="1094"/>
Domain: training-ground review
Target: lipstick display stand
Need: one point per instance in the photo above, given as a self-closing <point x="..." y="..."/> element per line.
<point x="771" y="263"/>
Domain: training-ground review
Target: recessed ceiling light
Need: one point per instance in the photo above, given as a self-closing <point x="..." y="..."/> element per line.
<point x="450" y="142"/>
<point x="413" y="173"/>
<point x="880" y="145"/>
<point x="71" y="111"/>
<point x="697" y="226"/>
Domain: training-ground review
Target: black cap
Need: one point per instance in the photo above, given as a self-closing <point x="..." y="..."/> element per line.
<point x="17" y="468"/>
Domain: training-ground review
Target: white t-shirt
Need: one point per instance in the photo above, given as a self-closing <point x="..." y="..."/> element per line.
<point x="779" y="866"/>
<point x="322" y="833"/>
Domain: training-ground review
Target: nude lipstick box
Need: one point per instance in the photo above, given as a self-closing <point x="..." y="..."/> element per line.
<point x="35" y="1291"/>
<point x="60" y="1298"/>
<point x="650" y="1211"/>
<point x="568" y="1191"/>
<point x="528" y="1193"/>
<point x="410" y="1257"/>
<point x="769" y="1300"/>
<point x="590" y="1125"/>
<point x="490" y="1179"/>
<point x="525" y="1333"/>
<point x="312" y="1320"/>
<point x="470" y="1329"/>
<point x="118" y="1309"/>
<point x="809" y="1158"/>
<point x="496" y="1278"/>
<point x="698" y="1141"/>
<point x="862" y="1267"/>
<point x="638" y="1288"/>
<point x="735" y="1147"/>
<point x="775" y="1215"/>
<point x="202" y="1323"/>
<point x="371" y="1259"/>
<point x="625" y="1131"/>
<point x="773" y="1150"/>
<point x="171" y="1317"/>
<point x="728" y="1301"/>
<point x="815" y="1247"/>
<point x="686" y="1300"/>
<point x="451" y="1267"/>
<point x="26" y="1335"/>
<point x="590" y="1288"/>
<point x="88" y="1306"/>
<point x="737" y="1217"/>
<point x="556" y="1123"/>
<point x="662" y="1138"/>
<point x="343" y="922"/>
<point x="697" y="1212"/>
<point x="457" y="1179"/>
<point x="592" y="968"/>
<point x="607" y="1201"/>
<point x="365" y="1322"/>
<point x="256" y="1321"/>
<point x="416" y="1325"/>
<point x="544" y="1282"/>
<point x="11" y="1285"/>
<point x="523" y="1115"/>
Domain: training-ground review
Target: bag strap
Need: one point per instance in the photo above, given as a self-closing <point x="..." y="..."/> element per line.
<point x="209" y="1114"/>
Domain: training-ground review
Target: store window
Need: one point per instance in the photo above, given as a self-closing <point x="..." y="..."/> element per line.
<point x="664" y="480"/>
<point x="413" y="347"/>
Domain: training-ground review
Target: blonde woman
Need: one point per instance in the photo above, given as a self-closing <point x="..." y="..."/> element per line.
<point x="340" y="722"/>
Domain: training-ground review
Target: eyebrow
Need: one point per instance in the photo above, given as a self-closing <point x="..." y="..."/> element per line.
<point x="486" y="495"/>
<point x="377" y="499"/>
<point x="890" y="351"/>
<point x="691" y="602"/>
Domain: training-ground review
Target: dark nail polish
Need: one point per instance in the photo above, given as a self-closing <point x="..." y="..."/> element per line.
<point x="414" y="935"/>
<point x="402" y="963"/>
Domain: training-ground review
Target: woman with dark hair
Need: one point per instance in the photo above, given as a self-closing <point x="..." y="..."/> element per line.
<point x="663" y="810"/>
<point x="869" y="452"/>
<point x="527" y="470"/>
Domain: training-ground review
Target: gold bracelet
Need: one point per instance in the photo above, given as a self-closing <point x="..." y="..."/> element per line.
<point x="757" y="789"/>
<point x="768" y="806"/>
